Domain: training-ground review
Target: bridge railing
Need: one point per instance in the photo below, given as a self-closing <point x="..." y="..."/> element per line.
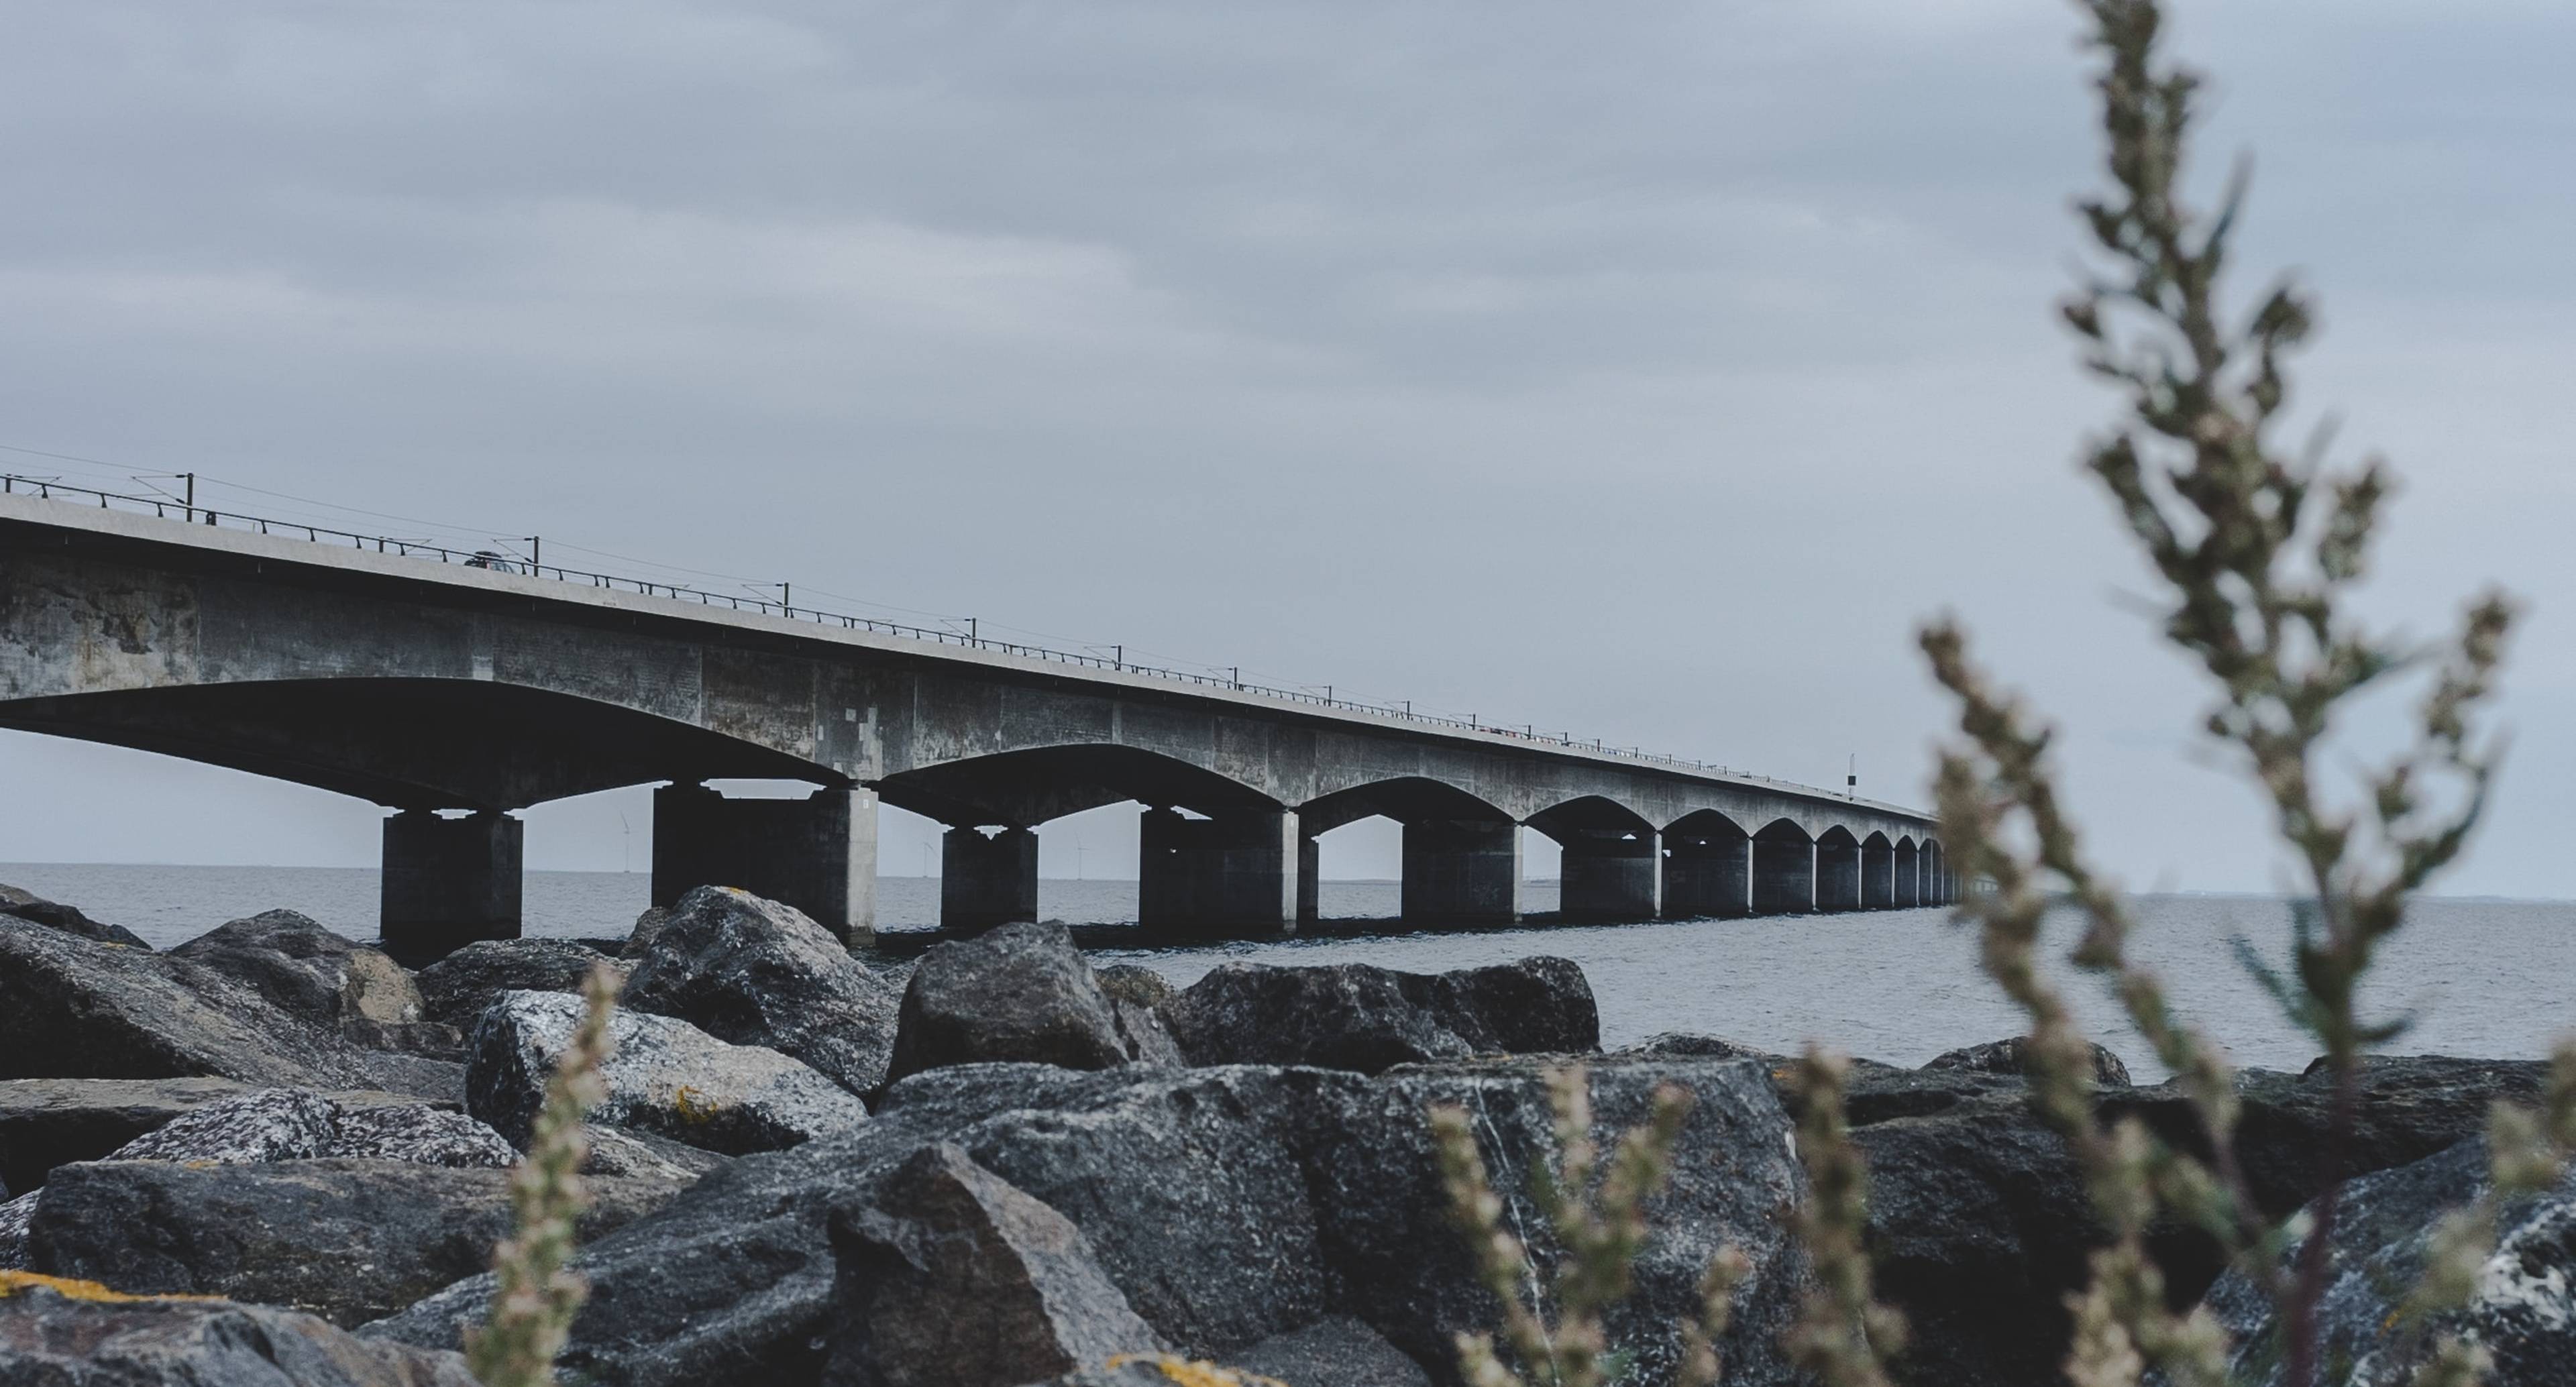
<point x="47" y="488"/>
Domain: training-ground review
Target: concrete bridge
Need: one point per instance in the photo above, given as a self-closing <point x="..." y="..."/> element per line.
<point x="453" y="688"/>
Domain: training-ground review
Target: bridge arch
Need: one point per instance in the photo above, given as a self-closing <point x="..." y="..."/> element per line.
<point x="1909" y="872"/>
<point x="1708" y="867"/>
<point x="1613" y="859"/>
<point x="1837" y="870"/>
<point x="1784" y="869"/>
<point x="1877" y="872"/>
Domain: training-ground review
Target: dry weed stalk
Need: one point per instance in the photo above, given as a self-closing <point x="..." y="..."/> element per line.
<point x="2258" y="551"/>
<point x="1843" y="1335"/>
<point x="1553" y="1325"/>
<point x="536" y="1298"/>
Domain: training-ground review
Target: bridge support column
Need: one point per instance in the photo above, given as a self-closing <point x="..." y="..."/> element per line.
<point x="1239" y="871"/>
<point x="985" y="882"/>
<point x="1707" y="876"/>
<point x="1310" y="880"/>
<point x="1462" y="869"/>
<point x="1837" y="873"/>
<point x="1612" y="875"/>
<point x="818" y="854"/>
<point x="1784" y="876"/>
<point x="1877" y="875"/>
<point x="449" y="882"/>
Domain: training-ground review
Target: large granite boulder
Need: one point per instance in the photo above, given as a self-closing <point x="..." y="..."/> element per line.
<point x="950" y="1277"/>
<point x="74" y="1334"/>
<point x="1399" y="1263"/>
<point x="307" y="970"/>
<point x="74" y="1009"/>
<point x="348" y="1240"/>
<point x="1229" y="1206"/>
<point x="27" y="905"/>
<point x="457" y="989"/>
<point x="1980" y="1226"/>
<point x="2012" y="1056"/>
<point x="1341" y="1351"/>
<point x="2523" y="1311"/>
<point x="754" y="972"/>
<point x="1016" y="992"/>
<point x="664" y="1076"/>
<point x="1361" y="1017"/>
<point x="47" y="1122"/>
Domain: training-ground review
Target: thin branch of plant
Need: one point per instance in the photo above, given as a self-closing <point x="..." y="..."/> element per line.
<point x="2259" y="550"/>
<point x="537" y="1296"/>
<point x="1553" y="1323"/>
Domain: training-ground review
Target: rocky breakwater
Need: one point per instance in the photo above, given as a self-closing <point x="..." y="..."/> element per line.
<point x="1010" y="1169"/>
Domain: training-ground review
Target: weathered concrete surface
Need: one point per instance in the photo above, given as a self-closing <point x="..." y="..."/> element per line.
<point x="301" y="660"/>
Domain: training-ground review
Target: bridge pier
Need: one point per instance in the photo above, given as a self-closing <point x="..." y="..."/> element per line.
<point x="1909" y="874"/>
<point x="818" y="854"/>
<point x="449" y="882"/>
<point x="1310" y="880"/>
<point x="985" y="882"/>
<point x="1784" y="873"/>
<point x="1462" y="869"/>
<point x="1877" y="873"/>
<point x="1837" y="872"/>
<point x="1706" y="874"/>
<point x="1239" y="871"/>
<point x="1612" y="875"/>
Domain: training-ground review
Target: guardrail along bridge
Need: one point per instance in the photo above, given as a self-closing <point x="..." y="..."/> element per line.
<point x="454" y="687"/>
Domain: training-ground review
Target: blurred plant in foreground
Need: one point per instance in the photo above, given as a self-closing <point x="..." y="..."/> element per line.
<point x="1552" y="1325"/>
<point x="2258" y="551"/>
<point x="536" y="1298"/>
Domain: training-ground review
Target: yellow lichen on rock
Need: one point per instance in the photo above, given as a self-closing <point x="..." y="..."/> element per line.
<point x="1195" y="1374"/>
<point x="12" y="1282"/>
<point x="695" y="1108"/>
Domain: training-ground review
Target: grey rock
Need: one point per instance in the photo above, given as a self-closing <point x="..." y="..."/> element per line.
<point x="1229" y="1206"/>
<point x="48" y="1339"/>
<point x="2012" y="1056"/>
<point x="1135" y="984"/>
<point x="418" y="1133"/>
<point x="1356" y="1016"/>
<point x="950" y="1277"/>
<point x="348" y="1240"/>
<point x="439" y="1080"/>
<point x="1383" y="1216"/>
<point x="664" y="1076"/>
<point x="1143" y="1036"/>
<point x="616" y="1151"/>
<point x="1341" y="1351"/>
<point x="1016" y="992"/>
<point x="46" y="1122"/>
<point x="2523" y="1311"/>
<point x="1133" y="1372"/>
<point x="1678" y="1044"/>
<point x="647" y="927"/>
<point x="1531" y="1006"/>
<point x="1345" y="1016"/>
<point x="15" y="1215"/>
<point x="754" y="972"/>
<point x="27" y="905"/>
<point x="72" y="1008"/>
<point x="273" y="1124"/>
<point x="307" y="970"/>
<point x="456" y="989"/>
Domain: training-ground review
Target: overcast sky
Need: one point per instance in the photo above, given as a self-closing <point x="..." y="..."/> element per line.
<point x="1646" y="370"/>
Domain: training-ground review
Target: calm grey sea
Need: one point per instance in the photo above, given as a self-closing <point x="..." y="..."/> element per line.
<point x="2481" y="977"/>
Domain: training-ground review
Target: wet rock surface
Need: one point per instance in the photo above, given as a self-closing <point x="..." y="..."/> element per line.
<point x="664" y="1076"/>
<point x="1016" y="992"/>
<point x="457" y="989"/>
<point x="2523" y="1311"/>
<point x="951" y="1277"/>
<point x="73" y="1008"/>
<point x="27" y="905"/>
<point x="1364" y="1018"/>
<point x="754" y="972"/>
<point x="82" y="1339"/>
